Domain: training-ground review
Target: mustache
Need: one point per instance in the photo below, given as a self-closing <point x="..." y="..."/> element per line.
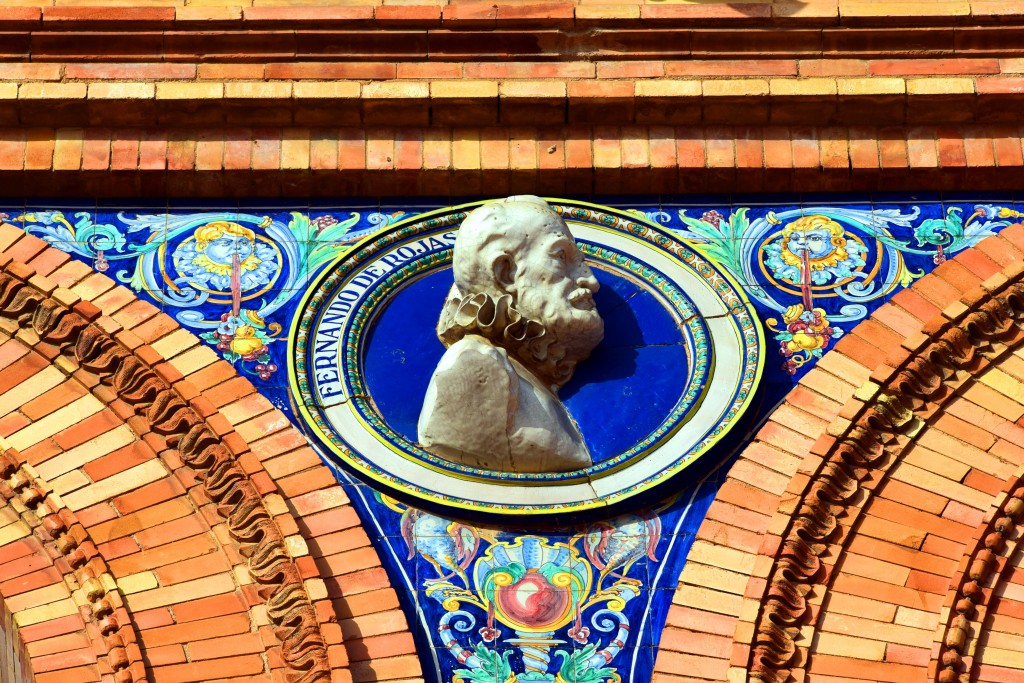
<point x="581" y="294"/>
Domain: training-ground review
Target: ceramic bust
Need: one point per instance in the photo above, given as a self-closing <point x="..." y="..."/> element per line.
<point x="518" y="319"/>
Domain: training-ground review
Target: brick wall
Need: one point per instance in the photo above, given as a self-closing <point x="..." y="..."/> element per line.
<point x="161" y="520"/>
<point x="869" y="530"/>
<point x="451" y="98"/>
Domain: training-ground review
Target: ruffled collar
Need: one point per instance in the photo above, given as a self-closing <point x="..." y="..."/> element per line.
<point x="498" y="321"/>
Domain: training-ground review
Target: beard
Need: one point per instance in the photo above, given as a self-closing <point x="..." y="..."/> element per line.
<point x="575" y="331"/>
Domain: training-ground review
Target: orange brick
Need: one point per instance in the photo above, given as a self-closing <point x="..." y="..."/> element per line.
<point x="218" y="668"/>
<point x="171" y="531"/>
<point x="205" y="608"/>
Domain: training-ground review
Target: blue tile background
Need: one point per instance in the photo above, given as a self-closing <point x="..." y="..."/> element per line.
<point x="904" y="237"/>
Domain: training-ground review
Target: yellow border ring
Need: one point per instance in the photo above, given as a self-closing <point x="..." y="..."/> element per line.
<point x="340" y="306"/>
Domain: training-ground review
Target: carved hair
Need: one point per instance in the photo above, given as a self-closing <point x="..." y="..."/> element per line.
<point x="491" y="231"/>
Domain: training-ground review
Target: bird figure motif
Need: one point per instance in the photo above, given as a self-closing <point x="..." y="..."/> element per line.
<point x="617" y="543"/>
<point x="448" y="546"/>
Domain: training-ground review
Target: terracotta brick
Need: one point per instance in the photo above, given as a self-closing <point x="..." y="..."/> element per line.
<point x="52" y="400"/>
<point x="171" y="531"/>
<point x="978" y="150"/>
<point x="380" y="647"/>
<point x="306" y="482"/>
<point x="218" y="668"/>
<point x="951" y="148"/>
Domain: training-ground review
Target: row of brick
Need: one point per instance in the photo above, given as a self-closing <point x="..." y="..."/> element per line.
<point x="561" y="14"/>
<point x="521" y="71"/>
<point x="463" y="162"/>
<point x="516" y="148"/>
<point x="817" y="101"/>
<point x="193" y="604"/>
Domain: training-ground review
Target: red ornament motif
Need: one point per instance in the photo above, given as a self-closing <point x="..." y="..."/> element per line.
<point x="533" y="601"/>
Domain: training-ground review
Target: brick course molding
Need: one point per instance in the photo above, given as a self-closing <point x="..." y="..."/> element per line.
<point x="448" y="99"/>
<point x="69" y="332"/>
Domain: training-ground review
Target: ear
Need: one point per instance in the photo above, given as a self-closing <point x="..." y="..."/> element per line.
<point x="504" y="271"/>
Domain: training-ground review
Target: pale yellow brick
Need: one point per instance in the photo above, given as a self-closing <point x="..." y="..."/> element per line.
<point x="872" y="86"/>
<point x="94" y="448"/>
<point x="940" y="86"/>
<point x="532" y="89"/>
<point x="136" y="583"/>
<point x="243" y="577"/>
<point x="1005" y="384"/>
<point x="56" y="422"/>
<point x="916" y="618"/>
<point x="879" y="570"/>
<point x="176" y="342"/>
<point x="295" y="145"/>
<point x="796" y="87"/>
<point x="207" y="14"/>
<point x="847" y="646"/>
<point x="189" y="91"/>
<point x="316" y="589"/>
<point x="122" y="91"/>
<point x="15" y="397"/>
<point x="52" y="91"/>
<point x="920" y="8"/>
<point x="40" y="596"/>
<point x="180" y="592"/>
<point x="607" y="11"/>
<point x="72" y="481"/>
<point x="914" y="476"/>
<point x="259" y="90"/>
<point x="463" y="89"/>
<point x="259" y="615"/>
<point x="1010" y="659"/>
<point x="668" y="88"/>
<point x="937" y="463"/>
<point x="698" y="574"/>
<point x="891" y="633"/>
<point x="857" y="606"/>
<point x="116" y="484"/>
<point x="13" y="532"/>
<point x="706" y="599"/>
<point x="275" y="504"/>
<point x="1005" y="641"/>
<point x="396" y="90"/>
<point x="721" y="556"/>
<point x="55" y="610"/>
<point x="735" y="87"/>
<point x="296" y="546"/>
<point x="194" y="359"/>
<point x="327" y="90"/>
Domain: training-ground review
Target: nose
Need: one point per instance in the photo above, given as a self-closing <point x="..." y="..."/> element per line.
<point x="586" y="280"/>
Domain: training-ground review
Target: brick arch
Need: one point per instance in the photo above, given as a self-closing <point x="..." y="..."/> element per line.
<point x="225" y="547"/>
<point x="845" y="540"/>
